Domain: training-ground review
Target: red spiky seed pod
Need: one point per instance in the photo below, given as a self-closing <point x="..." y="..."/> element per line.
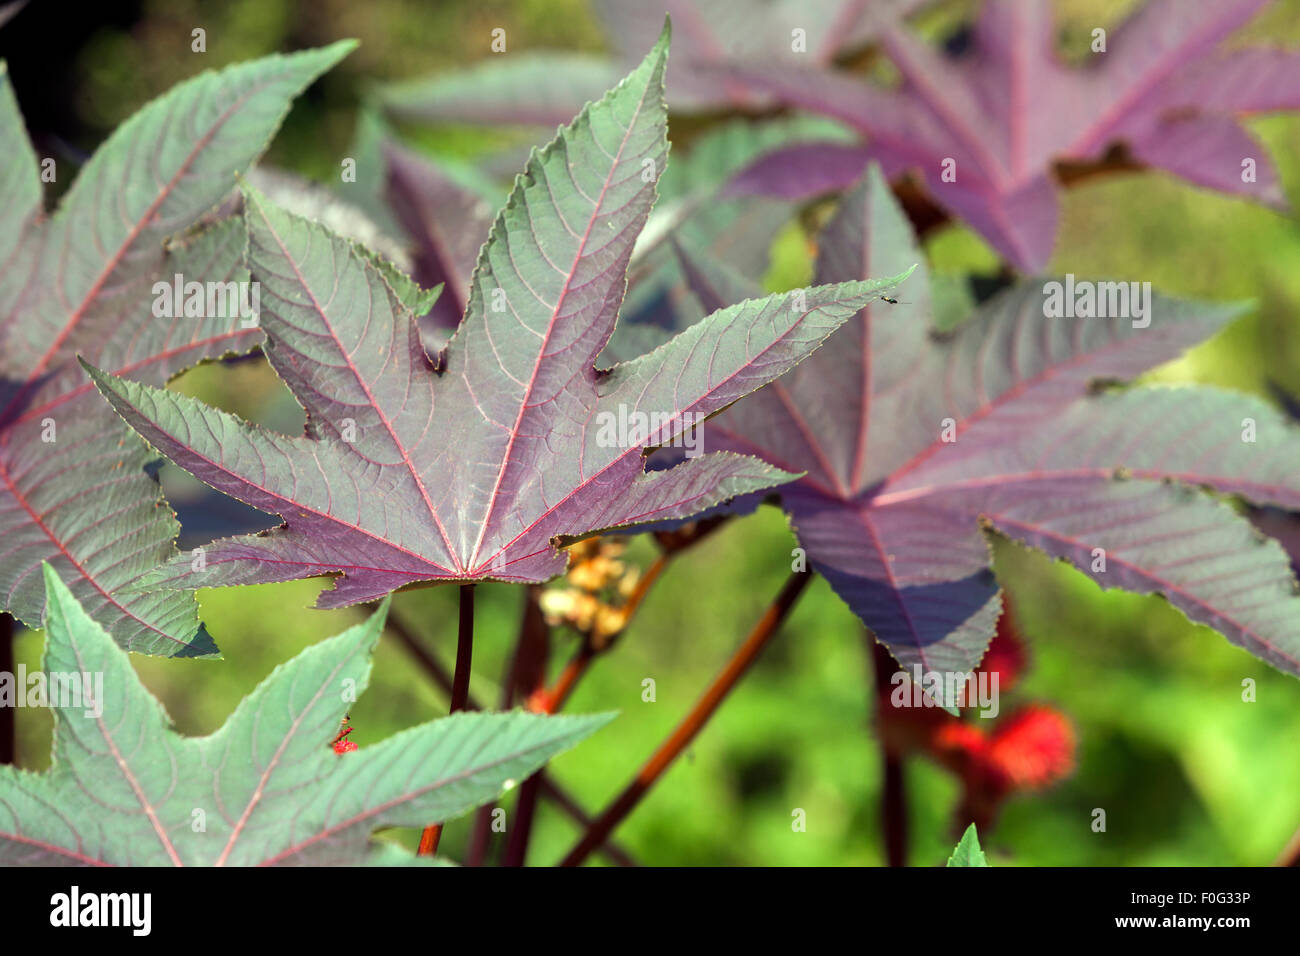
<point x="1032" y="748"/>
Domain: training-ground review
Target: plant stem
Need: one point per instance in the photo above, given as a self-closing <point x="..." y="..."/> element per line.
<point x="566" y="803"/>
<point x="671" y="544"/>
<point x="694" y="722"/>
<point x="522" y="831"/>
<point x="459" y="692"/>
<point x="553" y="698"/>
<point x="8" y="741"/>
<point x="443" y="678"/>
<point x="464" y="649"/>
<point x="1291" y="855"/>
<point x="893" y="793"/>
<point x="532" y="623"/>
<point x="529" y="679"/>
<point x="549" y="701"/>
<point x="644" y="585"/>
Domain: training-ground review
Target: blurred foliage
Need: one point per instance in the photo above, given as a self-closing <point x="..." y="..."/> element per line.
<point x="1186" y="771"/>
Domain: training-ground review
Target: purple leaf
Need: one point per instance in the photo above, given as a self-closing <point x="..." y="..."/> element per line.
<point x="736" y="231"/>
<point x="915" y="444"/>
<point x="80" y="282"/>
<point x="546" y="88"/>
<point x="476" y="470"/>
<point x="802" y="171"/>
<point x="447" y="224"/>
<point x="1207" y="151"/>
<point x="984" y="131"/>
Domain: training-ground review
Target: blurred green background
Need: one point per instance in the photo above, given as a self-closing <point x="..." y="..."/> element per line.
<point x="1187" y="772"/>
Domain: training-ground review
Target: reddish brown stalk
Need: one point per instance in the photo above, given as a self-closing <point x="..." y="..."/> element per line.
<point x="549" y="789"/>
<point x="459" y="692"/>
<point x="529" y="658"/>
<point x="644" y="585"/>
<point x="1291" y="855"/>
<point x="694" y="722"/>
<point x="525" y="813"/>
<point x="464" y="649"/>
<point x="528" y="678"/>
<point x="893" y="793"/>
<point x="552" y="699"/>
<point x="566" y="803"/>
<point x="549" y="701"/>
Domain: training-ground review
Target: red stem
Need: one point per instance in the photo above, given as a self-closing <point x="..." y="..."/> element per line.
<point x="893" y="792"/>
<point x="551" y="790"/>
<point x="694" y="722"/>
<point x="525" y="810"/>
<point x="1291" y="855"/>
<point x="464" y="649"/>
<point x="529" y="675"/>
<point x="566" y="803"/>
<point x="551" y="700"/>
<point x="459" y="692"/>
<point x="532" y="630"/>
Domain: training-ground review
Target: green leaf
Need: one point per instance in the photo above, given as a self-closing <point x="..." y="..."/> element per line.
<point x="267" y="788"/>
<point x="968" y="852"/>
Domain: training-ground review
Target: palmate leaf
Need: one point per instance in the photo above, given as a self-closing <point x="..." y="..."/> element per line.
<point x="72" y="486"/>
<point x="746" y="31"/>
<point x="410" y="474"/>
<point x="737" y="231"/>
<point x="895" y="516"/>
<point x="545" y="88"/>
<point x="267" y="788"/>
<point x="447" y="223"/>
<point x="1008" y="111"/>
<point x="440" y="207"/>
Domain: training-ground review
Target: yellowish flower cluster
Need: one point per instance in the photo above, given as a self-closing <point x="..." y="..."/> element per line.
<point x="597" y="588"/>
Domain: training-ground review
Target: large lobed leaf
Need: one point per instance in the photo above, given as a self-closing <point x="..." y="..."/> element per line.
<point x="476" y="470"/>
<point x="737" y="231"/>
<point x="447" y="223"/>
<point x="895" y="516"/>
<point x="124" y="789"/>
<point x="545" y="88"/>
<point x="439" y="206"/>
<point x="1002" y="115"/>
<point x="73" y="490"/>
